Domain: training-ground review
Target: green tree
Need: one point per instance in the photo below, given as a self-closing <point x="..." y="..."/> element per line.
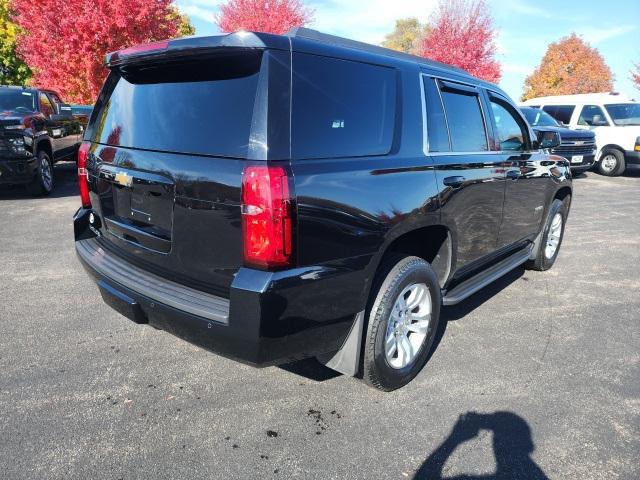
<point x="185" y="29"/>
<point x="407" y="35"/>
<point x="13" y="70"/>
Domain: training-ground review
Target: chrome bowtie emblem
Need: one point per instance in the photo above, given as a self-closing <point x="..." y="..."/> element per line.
<point x="122" y="178"/>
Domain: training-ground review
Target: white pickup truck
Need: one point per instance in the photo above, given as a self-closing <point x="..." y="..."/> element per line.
<point x="614" y="118"/>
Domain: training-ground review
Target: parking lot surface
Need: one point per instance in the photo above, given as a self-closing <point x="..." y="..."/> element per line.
<point x="537" y="376"/>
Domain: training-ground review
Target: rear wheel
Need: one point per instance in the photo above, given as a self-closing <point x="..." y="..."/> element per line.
<point x="402" y="323"/>
<point x="611" y="163"/>
<point x="551" y="237"/>
<point x="42" y="183"/>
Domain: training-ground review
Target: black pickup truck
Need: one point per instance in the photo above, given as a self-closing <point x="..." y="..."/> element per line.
<point x="36" y="130"/>
<point x="273" y="198"/>
<point x="577" y="146"/>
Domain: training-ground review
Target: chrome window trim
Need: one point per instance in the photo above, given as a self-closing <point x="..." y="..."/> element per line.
<point x="425" y="131"/>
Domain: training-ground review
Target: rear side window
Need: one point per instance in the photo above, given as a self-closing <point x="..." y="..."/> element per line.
<point x="562" y="113"/>
<point x="341" y="108"/>
<point x="464" y="117"/>
<point x="202" y="106"/>
<point x="592" y="115"/>
<point x="436" y="122"/>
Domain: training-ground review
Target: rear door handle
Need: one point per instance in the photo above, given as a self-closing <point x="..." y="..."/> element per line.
<point x="455" y="181"/>
<point x="513" y="174"/>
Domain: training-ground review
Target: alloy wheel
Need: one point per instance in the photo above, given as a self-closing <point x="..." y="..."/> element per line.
<point x="408" y="325"/>
<point x="553" y="238"/>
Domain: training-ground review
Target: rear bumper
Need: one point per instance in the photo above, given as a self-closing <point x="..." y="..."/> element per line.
<point x="269" y="317"/>
<point x="15" y="171"/>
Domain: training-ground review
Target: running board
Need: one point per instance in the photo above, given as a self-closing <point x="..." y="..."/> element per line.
<point x="481" y="280"/>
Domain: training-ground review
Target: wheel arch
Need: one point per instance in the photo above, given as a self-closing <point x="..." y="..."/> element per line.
<point x="45" y="146"/>
<point x="609" y="146"/>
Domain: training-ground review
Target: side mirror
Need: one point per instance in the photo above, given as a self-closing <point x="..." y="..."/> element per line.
<point x="548" y="139"/>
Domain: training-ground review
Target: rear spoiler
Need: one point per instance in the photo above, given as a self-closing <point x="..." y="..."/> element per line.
<point x="193" y="45"/>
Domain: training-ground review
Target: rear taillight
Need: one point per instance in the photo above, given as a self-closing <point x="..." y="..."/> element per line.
<point x="637" y="145"/>
<point x="83" y="174"/>
<point x="266" y="217"/>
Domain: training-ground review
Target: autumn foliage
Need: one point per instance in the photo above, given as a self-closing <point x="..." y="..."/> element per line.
<point x="270" y="16"/>
<point x="635" y="76"/>
<point x="462" y="34"/>
<point x="568" y="67"/>
<point x="65" y="41"/>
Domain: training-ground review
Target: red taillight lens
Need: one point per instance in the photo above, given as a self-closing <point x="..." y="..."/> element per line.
<point x="83" y="174"/>
<point x="266" y="216"/>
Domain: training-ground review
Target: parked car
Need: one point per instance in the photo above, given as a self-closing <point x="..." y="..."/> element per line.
<point x="36" y="130"/>
<point x="577" y="146"/>
<point x="613" y="118"/>
<point x="316" y="197"/>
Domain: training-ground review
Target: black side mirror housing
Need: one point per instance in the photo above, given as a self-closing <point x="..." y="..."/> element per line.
<point x="548" y="139"/>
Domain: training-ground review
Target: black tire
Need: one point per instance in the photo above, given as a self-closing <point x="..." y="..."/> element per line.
<point x="543" y="262"/>
<point x="611" y="163"/>
<point x="398" y="273"/>
<point x="42" y="183"/>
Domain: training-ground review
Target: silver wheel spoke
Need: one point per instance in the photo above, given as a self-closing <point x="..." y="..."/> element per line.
<point x="421" y="326"/>
<point x="391" y="346"/>
<point x="407" y="350"/>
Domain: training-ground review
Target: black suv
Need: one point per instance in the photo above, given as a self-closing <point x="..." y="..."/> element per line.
<point x="272" y="198"/>
<point x="577" y="146"/>
<point x="36" y="130"/>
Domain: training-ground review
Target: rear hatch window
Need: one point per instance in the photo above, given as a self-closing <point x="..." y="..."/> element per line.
<point x="202" y="106"/>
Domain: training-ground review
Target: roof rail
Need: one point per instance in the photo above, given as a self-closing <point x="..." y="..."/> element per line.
<point x="310" y="34"/>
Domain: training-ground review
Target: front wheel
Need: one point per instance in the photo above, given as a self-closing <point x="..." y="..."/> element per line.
<point x="551" y="237"/>
<point x="402" y="323"/>
<point x="42" y="183"/>
<point x="611" y="163"/>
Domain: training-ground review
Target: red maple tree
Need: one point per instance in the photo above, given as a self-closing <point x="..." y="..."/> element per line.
<point x="270" y="16"/>
<point x="65" y="41"/>
<point x="462" y="34"/>
<point x="635" y="76"/>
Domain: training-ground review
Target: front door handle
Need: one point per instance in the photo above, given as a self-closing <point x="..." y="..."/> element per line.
<point x="455" y="181"/>
<point x="513" y="174"/>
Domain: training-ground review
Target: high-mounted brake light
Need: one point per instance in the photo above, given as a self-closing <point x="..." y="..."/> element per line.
<point x="83" y="174"/>
<point x="144" y="48"/>
<point x="266" y="217"/>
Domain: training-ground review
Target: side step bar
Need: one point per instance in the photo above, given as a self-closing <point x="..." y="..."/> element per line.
<point x="481" y="280"/>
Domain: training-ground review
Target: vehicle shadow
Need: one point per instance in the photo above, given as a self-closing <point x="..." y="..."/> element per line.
<point x="65" y="184"/>
<point x="512" y="448"/>
<point x="314" y="370"/>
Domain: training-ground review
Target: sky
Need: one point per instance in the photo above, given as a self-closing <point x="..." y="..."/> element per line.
<point x="524" y="29"/>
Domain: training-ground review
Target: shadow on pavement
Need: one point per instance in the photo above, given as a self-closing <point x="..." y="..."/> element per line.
<point x="512" y="447"/>
<point x="65" y="184"/>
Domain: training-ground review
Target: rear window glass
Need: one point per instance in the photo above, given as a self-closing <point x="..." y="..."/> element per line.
<point x="341" y="108"/>
<point x="201" y="107"/>
<point x="466" y="124"/>
<point x="562" y="113"/>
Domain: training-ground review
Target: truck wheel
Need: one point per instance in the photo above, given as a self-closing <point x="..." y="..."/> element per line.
<point x="611" y="163"/>
<point x="42" y="183"/>
<point x="551" y="238"/>
<point x="403" y="321"/>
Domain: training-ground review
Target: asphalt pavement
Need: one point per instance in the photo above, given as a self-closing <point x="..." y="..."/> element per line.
<point x="537" y="376"/>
